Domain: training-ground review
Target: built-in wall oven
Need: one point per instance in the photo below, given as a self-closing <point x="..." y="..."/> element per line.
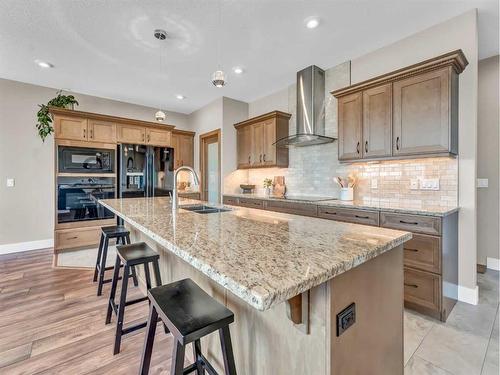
<point x="85" y="175"/>
<point x="85" y="160"/>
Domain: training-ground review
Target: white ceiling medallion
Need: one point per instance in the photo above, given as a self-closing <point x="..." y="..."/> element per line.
<point x="161" y="35"/>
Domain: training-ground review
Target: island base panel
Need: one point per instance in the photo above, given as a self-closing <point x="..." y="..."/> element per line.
<point x="374" y="343"/>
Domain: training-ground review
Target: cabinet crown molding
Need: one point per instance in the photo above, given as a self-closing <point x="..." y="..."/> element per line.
<point x="183" y="132"/>
<point x="263" y="117"/>
<point x="108" y="118"/>
<point x="455" y="59"/>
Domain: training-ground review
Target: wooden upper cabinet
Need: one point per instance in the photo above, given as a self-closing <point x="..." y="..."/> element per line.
<point x="377" y="121"/>
<point x="183" y="145"/>
<point x="422" y="116"/>
<point x="69" y="127"/>
<point x="158" y="137"/>
<point x="409" y="112"/>
<point x="350" y="114"/>
<point x="101" y="131"/>
<point x="244" y="146"/>
<point x="256" y="138"/>
<point x="132" y="134"/>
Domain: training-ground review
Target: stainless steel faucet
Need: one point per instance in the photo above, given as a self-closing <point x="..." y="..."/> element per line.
<point x="175" y="198"/>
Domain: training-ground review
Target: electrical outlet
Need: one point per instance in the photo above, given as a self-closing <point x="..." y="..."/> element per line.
<point x="346" y="318"/>
<point x="414" y="184"/>
<point x="429" y="184"/>
<point x="482" y="182"/>
<point x="374" y="183"/>
<point x="11" y="182"/>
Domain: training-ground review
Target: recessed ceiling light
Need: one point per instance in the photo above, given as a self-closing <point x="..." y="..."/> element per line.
<point x="43" y="64"/>
<point x="238" y="70"/>
<point x="180" y="97"/>
<point x="312" y="22"/>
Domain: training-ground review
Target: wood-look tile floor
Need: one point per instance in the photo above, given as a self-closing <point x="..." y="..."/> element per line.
<point x="52" y="322"/>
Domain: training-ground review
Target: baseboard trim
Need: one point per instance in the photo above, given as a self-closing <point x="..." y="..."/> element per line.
<point x="493" y="263"/>
<point x="26" y="246"/>
<point x="468" y="295"/>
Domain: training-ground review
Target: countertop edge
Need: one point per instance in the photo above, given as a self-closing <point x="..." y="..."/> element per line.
<point x="260" y="302"/>
<point x="409" y="211"/>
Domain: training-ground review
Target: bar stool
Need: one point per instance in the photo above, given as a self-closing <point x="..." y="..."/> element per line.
<point x="190" y="314"/>
<point x="130" y="255"/>
<point x="122" y="235"/>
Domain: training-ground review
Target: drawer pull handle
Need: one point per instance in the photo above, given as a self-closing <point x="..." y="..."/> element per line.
<point x="408" y="222"/>
<point x="411" y="285"/>
<point x="362" y="217"/>
<point x="330" y="213"/>
<point x="72" y="238"/>
<point x="414" y="250"/>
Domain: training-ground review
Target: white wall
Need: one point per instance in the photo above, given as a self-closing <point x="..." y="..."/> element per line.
<point x="488" y="160"/>
<point x="27" y="210"/>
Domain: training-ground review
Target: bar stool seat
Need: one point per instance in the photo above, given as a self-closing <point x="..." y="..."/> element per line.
<point x="190" y="314"/>
<point x="122" y="235"/>
<point x="130" y="256"/>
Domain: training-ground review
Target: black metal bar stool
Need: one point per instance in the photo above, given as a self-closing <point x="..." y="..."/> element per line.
<point x="190" y="314"/>
<point x="121" y="234"/>
<point x="130" y="256"/>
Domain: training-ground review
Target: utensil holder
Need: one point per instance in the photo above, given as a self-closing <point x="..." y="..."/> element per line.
<point x="346" y="194"/>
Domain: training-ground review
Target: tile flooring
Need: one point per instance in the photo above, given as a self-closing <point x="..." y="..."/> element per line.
<point x="467" y="344"/>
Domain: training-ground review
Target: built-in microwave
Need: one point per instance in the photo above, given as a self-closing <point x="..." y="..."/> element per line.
<point x="85" y="160"/>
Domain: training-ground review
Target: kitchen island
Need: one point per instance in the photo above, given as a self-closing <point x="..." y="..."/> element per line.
<point x="288" y="279"/>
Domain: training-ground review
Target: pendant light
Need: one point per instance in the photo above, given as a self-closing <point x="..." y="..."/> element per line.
<point x="161" y="35"/>
<point x="218" y="77"/>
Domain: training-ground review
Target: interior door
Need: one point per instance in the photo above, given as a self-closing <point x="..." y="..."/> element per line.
<point x="350" y="126"/>
<point x="377" y="121"/>
<point x="210" y="167"/>
<point x="422" y="113"/>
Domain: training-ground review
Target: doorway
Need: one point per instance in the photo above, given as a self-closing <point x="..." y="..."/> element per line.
<point x="210" y="166"/>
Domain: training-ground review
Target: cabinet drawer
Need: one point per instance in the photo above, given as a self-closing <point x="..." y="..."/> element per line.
<point x="423" y="252"/>
<point x="349" y="215"/>
<point x="72" y="238"/>
<point x="230" y="200"/>
<point x="295" y="208"/>
<point x="411" y="223"/>
<point x="252" y="203"/>
<point x="422" y="288"/>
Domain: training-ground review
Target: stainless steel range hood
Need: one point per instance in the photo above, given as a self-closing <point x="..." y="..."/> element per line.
<point x="310" y="118"/>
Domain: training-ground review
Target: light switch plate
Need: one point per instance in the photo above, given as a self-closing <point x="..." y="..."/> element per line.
<point x="414" y="184"/>
<point x="11" y="182"/>
<point x="482" y="182"/>
<point x="429" y="184"/>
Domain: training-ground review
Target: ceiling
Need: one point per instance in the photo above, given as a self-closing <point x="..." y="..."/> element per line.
<point x="107" y="48"/>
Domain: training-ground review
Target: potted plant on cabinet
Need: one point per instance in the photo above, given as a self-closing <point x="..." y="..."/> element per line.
<point x="44" y="124"/>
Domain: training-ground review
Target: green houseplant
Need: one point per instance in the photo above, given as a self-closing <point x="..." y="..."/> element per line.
<point x="44" y="124"/>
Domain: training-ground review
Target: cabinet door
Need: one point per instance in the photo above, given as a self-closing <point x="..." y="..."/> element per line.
<point x="258" y="144"/>
<point x="268" y="149"/>
<point x="377" y="122"/>
<point x="70" y="128"/>
<point x="187" y="150"/>
<point x="422" y="114"/>
<point x="350" y="126"/>
<point x="244" y="146"/>
<point x="175" y="144"/>
<point x="158" y="137"/>
<point x="131" y="134"/>
<point x="101" y="131"/>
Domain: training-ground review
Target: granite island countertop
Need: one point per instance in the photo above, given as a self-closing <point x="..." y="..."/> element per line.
<point x="262" y="257"/>
<point x="371" y="204"/>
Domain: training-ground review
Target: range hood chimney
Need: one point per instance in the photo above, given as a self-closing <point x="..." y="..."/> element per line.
<point x="310" y="117"/>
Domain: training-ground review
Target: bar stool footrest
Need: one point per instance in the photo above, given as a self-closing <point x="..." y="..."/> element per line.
<point x="137" y="300"/>
<point x="205" y="364"/>
<point x="133" y="328"/>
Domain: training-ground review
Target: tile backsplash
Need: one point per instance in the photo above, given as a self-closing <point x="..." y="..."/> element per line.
<point x="312" y="169"/>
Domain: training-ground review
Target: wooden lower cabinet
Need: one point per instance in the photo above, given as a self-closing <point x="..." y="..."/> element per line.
<point x="430" y="257"/>
<point x="76" y="237"/>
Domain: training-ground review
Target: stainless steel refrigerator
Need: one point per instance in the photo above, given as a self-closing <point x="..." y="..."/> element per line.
<point x="145" y="171"/>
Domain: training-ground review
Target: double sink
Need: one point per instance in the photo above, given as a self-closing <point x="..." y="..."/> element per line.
<point x="202" y="209"/>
